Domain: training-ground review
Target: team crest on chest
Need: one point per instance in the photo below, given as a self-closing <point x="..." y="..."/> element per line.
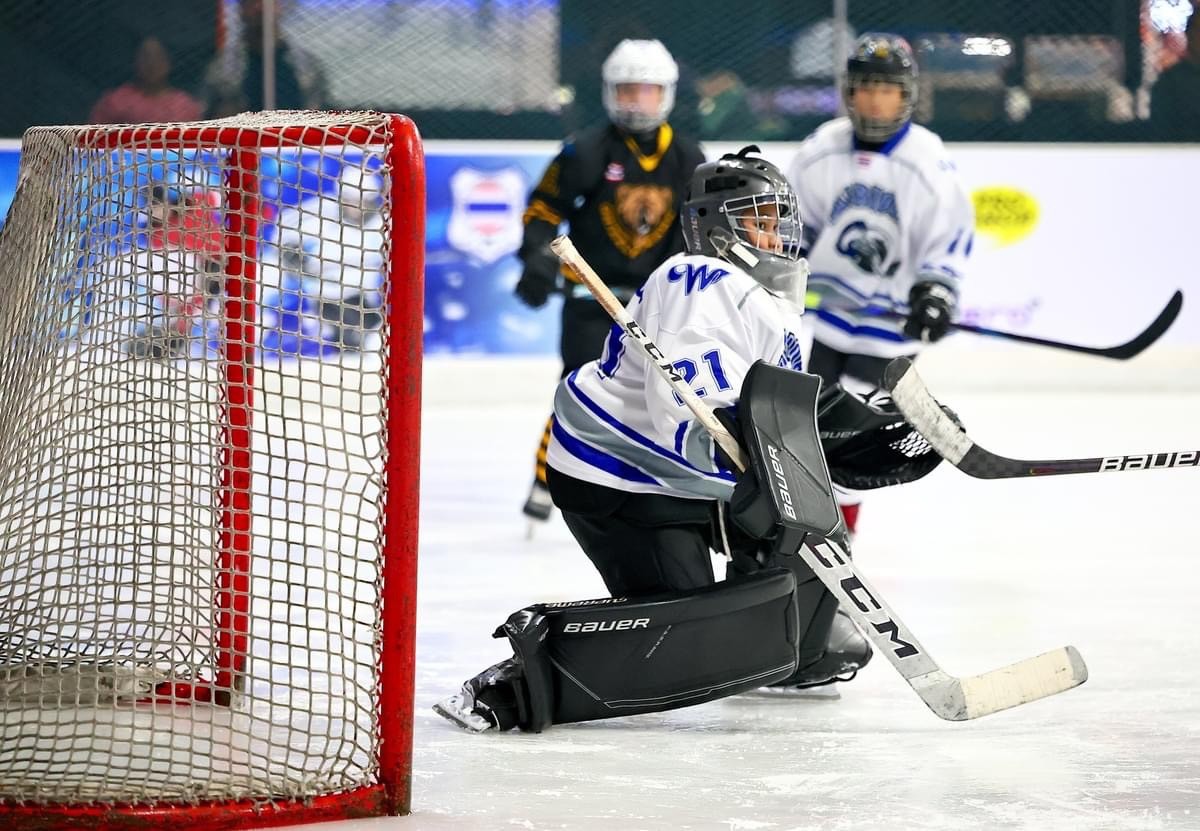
<point x="638" y="217"/>
<point x="642" y="207"/>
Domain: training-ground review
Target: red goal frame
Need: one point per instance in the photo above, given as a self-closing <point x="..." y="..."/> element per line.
<point x="392" y="793"/>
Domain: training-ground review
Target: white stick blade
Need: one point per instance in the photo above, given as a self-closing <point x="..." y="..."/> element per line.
<point x="1040" y="677"/>
<point x="923" y="412"/>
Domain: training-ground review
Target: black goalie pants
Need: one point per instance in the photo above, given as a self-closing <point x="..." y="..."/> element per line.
<point x="640" y="543"/>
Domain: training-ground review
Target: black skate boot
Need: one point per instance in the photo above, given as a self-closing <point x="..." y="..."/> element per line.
<point x="848" y="651"/>
<point x="486" y="702"/>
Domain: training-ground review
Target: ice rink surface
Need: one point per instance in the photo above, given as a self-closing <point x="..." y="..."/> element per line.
<point x="984" y="573"/>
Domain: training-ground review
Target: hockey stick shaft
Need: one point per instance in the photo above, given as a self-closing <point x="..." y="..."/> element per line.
<point x="1121" y="352"/>
<point x="953" y="444"/>
<point x="946" y="696"/>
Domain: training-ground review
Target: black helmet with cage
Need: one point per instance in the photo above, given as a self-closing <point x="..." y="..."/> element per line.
<point x="742" y="209"/>
<point x="889" y="59"/>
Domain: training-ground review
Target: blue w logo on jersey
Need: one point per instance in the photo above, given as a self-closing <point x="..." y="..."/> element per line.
<point x="870" y="197"/>
<point x="693" y="274"/>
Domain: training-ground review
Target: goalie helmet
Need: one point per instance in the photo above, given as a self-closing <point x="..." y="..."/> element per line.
<point x="886" y="58"/>
<point x="639" y="62"/>
<point x="742" y="209"/>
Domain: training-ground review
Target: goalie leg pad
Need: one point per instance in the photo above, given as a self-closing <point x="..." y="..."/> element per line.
<point x="829" y="644"/>
<point x="606" y="658"/>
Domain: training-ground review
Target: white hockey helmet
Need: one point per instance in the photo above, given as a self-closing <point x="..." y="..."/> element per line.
<point x="639" y="62"/>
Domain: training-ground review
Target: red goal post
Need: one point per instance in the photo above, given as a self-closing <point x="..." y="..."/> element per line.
<point x="208" y="521"/>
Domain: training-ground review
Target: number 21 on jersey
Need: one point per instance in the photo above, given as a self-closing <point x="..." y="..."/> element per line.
<point x="690" y="371"/>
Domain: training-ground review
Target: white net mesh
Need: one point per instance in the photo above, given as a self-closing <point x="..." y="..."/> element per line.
<point x="191" y="452"/>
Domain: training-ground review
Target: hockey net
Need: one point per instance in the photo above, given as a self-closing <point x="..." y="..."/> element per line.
<point x="209" y="412"/>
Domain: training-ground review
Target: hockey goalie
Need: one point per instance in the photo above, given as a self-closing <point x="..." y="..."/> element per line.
<point x="648" y="495"/>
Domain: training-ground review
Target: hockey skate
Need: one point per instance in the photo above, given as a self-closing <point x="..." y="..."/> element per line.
<point x="460" y="709"/>
<point x="848" y="652"/>
<point x="484" y="703"/>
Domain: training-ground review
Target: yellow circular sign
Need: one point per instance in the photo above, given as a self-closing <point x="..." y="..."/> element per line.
<point x="1007" y="215"/>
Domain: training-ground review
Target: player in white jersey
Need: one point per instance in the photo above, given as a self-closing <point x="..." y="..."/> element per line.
<point x="161" y="293"/>
<point x="635" y="476"/>
<point x="641" y="487"/>
<point x="888" y="225"/>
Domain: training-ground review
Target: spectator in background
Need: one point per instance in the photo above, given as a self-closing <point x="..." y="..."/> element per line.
<point x="234" y="82"/>
<point x="149" y="96"/>
<point x="725" y="111"/>
<point x="1175" y="98"/>
<point x="814" y="56"/>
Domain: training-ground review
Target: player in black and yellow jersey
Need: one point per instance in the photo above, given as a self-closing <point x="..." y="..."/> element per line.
<point x="618" y="188"/>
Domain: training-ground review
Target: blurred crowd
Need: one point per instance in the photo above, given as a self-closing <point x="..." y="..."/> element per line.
<point x="1013" y="70"/>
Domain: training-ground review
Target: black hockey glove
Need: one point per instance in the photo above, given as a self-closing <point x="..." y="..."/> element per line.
<point x="931" y="308"/>
<point x="867" y="442"/>
<point x="539" y="279"/>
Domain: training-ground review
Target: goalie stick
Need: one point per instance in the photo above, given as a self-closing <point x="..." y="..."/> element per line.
<point x="1121" y="352"/>
<point x="948" y="697"/>
<point x="953" y="444"/>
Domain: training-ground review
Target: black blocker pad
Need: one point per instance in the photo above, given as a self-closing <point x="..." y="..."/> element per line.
<point x="594" y="659"/>
<point x="778" y="414"/>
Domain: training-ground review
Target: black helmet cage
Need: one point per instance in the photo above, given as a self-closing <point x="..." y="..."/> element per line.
<point x="881" y="58"/>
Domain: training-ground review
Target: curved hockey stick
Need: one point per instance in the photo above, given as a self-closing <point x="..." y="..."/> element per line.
<point x="953" y="444"/>
<point x="1121" y="352"/>
<point x="948" y="697"/>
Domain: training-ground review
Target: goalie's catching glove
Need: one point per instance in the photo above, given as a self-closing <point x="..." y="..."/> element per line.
<point x="867" y="442"/>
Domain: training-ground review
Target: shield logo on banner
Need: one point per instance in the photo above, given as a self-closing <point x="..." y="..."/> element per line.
<point x="485" y="217"/>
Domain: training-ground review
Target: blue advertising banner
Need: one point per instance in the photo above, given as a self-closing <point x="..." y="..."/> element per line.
<point x="1031" y="272"/>
<point x="473" y="230"/>
<point x="10" y="159"/>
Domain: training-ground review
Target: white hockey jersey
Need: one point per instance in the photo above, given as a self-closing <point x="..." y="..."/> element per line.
<point x="618" y="423"/>
<point x="876" y="223"/>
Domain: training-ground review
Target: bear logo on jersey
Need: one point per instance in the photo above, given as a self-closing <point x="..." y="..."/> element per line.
<point x="638" y="217"/>
<point x="642" y="207"/>
<point x="868" y="248"/>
